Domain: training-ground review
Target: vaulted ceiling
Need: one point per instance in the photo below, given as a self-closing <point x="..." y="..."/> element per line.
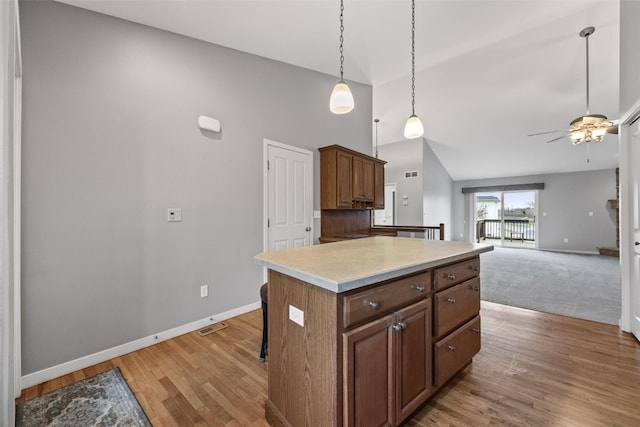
<point x="488" y="72"/>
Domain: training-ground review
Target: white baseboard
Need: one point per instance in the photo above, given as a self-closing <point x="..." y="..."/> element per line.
<point x="110" y="353"/>
<point x="571" y="251"/>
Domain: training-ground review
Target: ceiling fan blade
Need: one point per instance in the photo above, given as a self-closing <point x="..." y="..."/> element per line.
<point x="545" y="133"/>
<point x="556" y="139"/>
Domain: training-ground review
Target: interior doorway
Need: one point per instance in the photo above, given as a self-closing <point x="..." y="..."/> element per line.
<point x="506" y="218"/>
<point x="387" y="216"/>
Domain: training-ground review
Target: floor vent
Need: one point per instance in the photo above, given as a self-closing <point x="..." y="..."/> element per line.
<point x="213" y="328"/>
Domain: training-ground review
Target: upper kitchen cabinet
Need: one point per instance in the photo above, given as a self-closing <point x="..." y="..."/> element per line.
<point x="350" y="180"/>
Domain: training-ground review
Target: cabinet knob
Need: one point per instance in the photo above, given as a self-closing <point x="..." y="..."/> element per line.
<point x="399" y="326"/>
<point x="475" y="288"/>
<point x="476" y="330"/>
<point x="373" y="305"/>
<point x="451" y="300"/>
<point x="420" y="288"/>
<point x="474" y="267"/>
<point x="451" y="347"/>
<point x="451" y="276"/>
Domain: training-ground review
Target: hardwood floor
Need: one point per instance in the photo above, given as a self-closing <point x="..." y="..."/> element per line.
<point x="534" y="369"/>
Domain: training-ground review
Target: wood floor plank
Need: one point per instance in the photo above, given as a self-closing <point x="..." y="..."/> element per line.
<point x="534" y="369"/>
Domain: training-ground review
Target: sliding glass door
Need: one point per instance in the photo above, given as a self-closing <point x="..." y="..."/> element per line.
<point x="506" y="218"/>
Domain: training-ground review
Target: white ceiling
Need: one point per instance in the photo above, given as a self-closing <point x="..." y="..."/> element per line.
<point x="488" y="72"/>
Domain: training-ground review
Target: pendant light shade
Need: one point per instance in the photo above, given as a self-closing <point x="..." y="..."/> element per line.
<point x="341" y="101"/>
<point x="413" y="128"/>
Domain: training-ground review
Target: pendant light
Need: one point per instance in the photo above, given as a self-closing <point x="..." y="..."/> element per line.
<point x="341" y="101"/>
<point x="413" y="128"/>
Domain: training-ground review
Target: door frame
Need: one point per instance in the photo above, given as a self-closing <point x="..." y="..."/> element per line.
<point x="265" y="188"/>
<point x="626" y="217"/>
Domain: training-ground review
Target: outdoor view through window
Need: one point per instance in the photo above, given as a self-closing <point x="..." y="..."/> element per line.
<point x="506" y="218"/>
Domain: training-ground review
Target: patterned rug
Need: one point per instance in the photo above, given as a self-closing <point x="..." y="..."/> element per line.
<point x="102" y="400"/>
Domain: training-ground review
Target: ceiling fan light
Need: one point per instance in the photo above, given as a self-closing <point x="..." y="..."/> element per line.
<point x="599" y="133"/>
<point x="341" y="101"/>
<point x="577" y="136"/>
<point x="413" y="128"/>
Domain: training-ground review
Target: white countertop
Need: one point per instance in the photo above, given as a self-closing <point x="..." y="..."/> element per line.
<point x="350" y="264"/>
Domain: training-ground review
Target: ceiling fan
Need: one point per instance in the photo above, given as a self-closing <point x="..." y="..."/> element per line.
<point x="590" y="127"/>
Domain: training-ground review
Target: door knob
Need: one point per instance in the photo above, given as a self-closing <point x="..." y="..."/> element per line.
<point x="637" y="243"/>
<point x="307" y="229"/>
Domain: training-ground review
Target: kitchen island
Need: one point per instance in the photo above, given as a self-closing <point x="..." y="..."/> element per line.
<point x="365" y="331"/>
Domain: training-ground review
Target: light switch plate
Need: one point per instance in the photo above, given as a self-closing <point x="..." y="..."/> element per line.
<point x="296" y="315"/>
<point x="174" y="214"/>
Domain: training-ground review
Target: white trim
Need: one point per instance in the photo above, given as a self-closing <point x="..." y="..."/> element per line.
<point x="626" y="227"/>
<point x="17" y="210"/>
<point x="570" y="251"/>
<point x="110" y="353"/>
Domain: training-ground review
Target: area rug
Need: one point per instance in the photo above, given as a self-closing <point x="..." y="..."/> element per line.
<point x="102" y="400"/>
<point x="576" y="285"/>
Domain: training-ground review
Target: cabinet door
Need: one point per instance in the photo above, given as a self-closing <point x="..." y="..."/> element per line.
<point x="363" y="178"/>
<point x="368" y="180"/>
<point x="414" y="380"/>
<point x="369" y="374"/>
<point x="378" y="186"/>
<point x="343" y="182"/>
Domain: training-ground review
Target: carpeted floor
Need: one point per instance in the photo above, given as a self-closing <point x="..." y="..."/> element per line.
<point x="583" y="286"/>
<point x="102" y="400"/>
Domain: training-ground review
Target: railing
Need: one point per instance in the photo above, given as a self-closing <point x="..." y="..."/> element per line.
<point x="514" y="229"/>
<point x="429" y="232"/>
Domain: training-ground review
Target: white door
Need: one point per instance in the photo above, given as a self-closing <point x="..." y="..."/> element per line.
<point x="634" y="148"/>
<point x="289" y="196"/>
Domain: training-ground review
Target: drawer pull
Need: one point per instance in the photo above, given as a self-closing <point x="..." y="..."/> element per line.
<point x="399" y="326"/>
<point x="475" y="288"/>
<point x="451" y="300"/>
<point x="451" y="276"/>
<point x="451" y="347"/>
<point x="474" y="267"/>
<point x="373" y="305"/>
<point x="420" y="288"/>
<point x="476" y="330"/>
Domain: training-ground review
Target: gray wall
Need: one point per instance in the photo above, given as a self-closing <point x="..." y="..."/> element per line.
<point x="567" y="199"/>
<point x="428" y="195"/>
<point x="111" y="142"/>
<point x="629" y="57"/>
<point x="438" y="187"/>
<point x="400" y="157"/>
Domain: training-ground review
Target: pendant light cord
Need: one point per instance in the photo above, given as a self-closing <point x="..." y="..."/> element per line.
<point x="587" y="37"/>
<point x="413" y="57"/>
<point x="341" y="37"/>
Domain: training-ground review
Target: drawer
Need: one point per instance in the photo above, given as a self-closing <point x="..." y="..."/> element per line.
<point x="456" y="350"/>
<point x="456" y="305"/>
<point x="371" y="303"/>
<point x="453" y="274"/>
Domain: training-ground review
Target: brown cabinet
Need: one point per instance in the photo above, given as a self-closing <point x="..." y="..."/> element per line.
<point x="350" y="180"/>
<point x="370" y="356"/>
<point x="456" y="317"/>
<point x="388" y="367"/>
